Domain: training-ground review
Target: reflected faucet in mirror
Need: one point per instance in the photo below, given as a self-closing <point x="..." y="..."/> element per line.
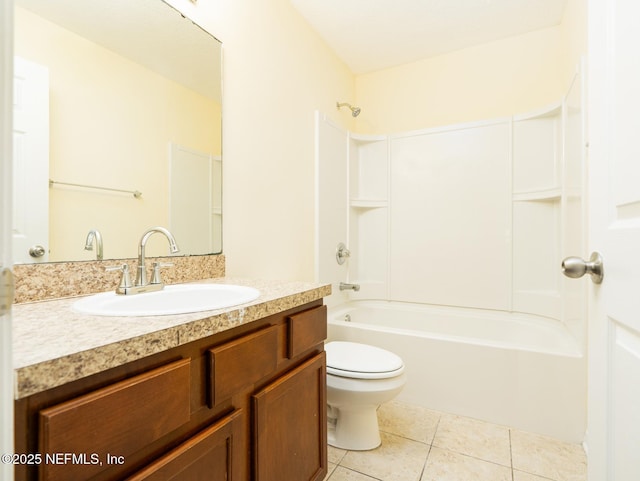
<point x="94" y="235"/>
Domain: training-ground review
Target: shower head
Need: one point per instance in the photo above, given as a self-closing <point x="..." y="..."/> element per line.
<point x="355" y="111"/>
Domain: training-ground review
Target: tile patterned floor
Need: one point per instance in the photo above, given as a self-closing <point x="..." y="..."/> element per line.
<point x="423" y="445"/>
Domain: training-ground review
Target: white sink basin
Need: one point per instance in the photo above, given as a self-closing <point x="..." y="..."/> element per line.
<point x="174" y="299"/>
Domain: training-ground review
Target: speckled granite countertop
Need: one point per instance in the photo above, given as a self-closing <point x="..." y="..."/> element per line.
<point x="53" y="344"/>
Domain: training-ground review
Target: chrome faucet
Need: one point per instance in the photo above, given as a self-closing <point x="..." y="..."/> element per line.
<point x="94" y="234"/>
<point x="345" y="286"/>
<point x="141" y="277"/>
<point x="142" y="284"/>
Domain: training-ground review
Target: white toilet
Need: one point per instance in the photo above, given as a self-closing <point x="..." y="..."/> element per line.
<point x="359" y="378"/>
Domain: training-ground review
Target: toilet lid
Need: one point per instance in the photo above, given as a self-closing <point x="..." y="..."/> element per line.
<point x="355" y="360"/>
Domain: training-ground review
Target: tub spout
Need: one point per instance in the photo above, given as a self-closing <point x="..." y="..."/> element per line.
<point x="345" y="286"/>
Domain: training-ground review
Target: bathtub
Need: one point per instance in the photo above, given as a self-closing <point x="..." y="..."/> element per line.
<point x="517" y="370"/>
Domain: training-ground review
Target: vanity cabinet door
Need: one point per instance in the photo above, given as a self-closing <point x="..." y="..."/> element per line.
<point x="210" y="455"/>
<point x="290" y="425"/>
<point x="113" y="422"/>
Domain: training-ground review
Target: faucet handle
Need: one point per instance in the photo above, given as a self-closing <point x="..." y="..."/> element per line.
<point x="155" y="276"/>
<point x="125" y="280"/>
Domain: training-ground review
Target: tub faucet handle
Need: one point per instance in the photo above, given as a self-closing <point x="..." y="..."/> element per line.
<point x="342" y="253"/>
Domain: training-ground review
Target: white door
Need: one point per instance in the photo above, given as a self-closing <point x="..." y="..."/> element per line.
<point x="613" y="436"/>
<point x="6" y="368"/>
<point x="31" y="162"/>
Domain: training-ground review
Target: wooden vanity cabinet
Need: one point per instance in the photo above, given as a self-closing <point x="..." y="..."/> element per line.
<point x="245" y="404"/>
<point x="209" y="455"/>
<point x="290" y="425"/>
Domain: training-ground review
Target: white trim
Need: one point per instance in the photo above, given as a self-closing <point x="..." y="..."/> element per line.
<point x="6" y="151"/>
<point x="451" y="127"/>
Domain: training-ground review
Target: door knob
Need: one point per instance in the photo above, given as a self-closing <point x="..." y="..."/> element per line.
<point x="575" y="267"/>
<point x="36" y="251"/>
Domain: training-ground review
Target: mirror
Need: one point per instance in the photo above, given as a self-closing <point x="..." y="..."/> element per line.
<point x="126" y="133"/>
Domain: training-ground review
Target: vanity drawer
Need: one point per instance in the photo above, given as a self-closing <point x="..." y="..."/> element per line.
<point x="118" y="420"/>
<point x="241" y="362"/>
<point x="207" y="455"/>
<point x="306" y="329"/>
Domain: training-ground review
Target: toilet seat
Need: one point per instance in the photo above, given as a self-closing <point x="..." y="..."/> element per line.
<point x="361" y="361"/>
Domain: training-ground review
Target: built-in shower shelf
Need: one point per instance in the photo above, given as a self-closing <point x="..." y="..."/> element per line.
<point x="538" y="195"/>
<point x="553" y="110"/>
<point x="369" y="203"/>
<point x="367" y="137"/>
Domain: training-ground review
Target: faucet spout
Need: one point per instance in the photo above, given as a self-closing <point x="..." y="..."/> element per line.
<point x="141" y="277"/>
<point x="345" y="287"/>
<point x="94" y="234"/>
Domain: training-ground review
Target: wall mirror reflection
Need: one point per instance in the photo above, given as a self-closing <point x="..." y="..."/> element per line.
<point x="117" y="119"/>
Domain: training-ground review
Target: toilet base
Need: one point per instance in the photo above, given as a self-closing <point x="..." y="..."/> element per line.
<point x="353" y="429"/>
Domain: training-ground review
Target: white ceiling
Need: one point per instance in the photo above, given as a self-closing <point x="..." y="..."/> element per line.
<point x="370" y="35"/>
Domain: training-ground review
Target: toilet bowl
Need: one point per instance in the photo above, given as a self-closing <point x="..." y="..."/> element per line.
<point x="359" y="378"/>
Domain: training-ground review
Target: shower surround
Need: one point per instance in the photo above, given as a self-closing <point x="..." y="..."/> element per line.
<point x="476" y="216"/>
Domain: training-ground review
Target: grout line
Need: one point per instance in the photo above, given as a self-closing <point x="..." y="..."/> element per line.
<point x="431" y="443"/>
<point x="435" y="431"/>
<point x="405" y="437"/>
<point x="535" y="475"/>
<point x="424" y="466"/>
<point x="475" y="457"/>
<point x="511" y="456"/>
<point x="354" y="471"/>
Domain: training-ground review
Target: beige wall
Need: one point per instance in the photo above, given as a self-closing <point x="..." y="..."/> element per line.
<point x="574" y="33"/>
<point x="277" y="72"/>
<point x="110" y="130"/>
<point x="501" y="78"/>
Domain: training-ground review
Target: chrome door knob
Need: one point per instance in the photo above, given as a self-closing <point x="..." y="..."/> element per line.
<point x="36" y="251"/>
<point x="576" y="267"/>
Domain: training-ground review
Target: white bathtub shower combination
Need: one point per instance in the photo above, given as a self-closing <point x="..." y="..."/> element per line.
<point x="518" y="370"/>
<point x="478" y="217"/>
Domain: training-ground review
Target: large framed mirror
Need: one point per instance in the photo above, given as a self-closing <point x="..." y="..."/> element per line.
<point x="117" y="129"/>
